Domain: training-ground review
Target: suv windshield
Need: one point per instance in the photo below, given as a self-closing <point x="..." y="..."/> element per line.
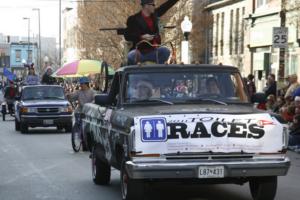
<point x="193" y="86"/>
<point x="42" y="92"/>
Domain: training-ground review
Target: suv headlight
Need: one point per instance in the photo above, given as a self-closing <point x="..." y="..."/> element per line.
<point x="67" y="109"/>
<point x="28" y="110"/>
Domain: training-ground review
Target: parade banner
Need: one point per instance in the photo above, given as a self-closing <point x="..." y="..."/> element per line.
<point x="251" y="133"/>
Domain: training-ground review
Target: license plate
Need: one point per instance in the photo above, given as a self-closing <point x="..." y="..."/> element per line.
<point x="211" y="172"/>
<point x="48" y="122"/>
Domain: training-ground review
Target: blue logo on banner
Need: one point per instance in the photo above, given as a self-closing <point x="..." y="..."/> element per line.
<point x="154" y="129"/>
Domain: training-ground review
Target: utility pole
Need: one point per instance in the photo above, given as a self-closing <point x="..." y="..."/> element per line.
<point x="40" y="43"/>
<point x="27" y="18"/>
<point x="59" y="56"/>
<point x="281" y="71"/>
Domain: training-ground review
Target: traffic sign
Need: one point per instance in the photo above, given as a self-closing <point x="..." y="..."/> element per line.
<point x="280" y="37"/>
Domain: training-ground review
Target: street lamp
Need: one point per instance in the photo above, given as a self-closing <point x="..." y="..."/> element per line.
<point x="23" y="61"/>
<point x="186" y="27"/>
<point x="40" y="43"/>
<point x="59" y="56"/>
<point x="27" y="18"/>
<point x="46" y="60"/>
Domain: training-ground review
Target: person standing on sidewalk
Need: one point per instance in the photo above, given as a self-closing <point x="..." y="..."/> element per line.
<point x="271" y="86"/>
<point x="293" y="80"/>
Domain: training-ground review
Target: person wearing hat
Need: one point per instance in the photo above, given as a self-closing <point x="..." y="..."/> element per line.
<point x="144" y="90"/>
<point x="47" y="78"/>
<point x="84" y="95"/>
<point x="144" y="26"/>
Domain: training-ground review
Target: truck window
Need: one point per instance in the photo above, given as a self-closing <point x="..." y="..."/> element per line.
<point x="185" y="86"/>
<point x="114" y="88"/>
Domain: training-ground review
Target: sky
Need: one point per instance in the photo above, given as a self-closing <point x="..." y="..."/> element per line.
<point x="12" y="13"/>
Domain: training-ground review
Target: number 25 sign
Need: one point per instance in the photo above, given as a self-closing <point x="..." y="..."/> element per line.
<point x="280" y="37"/>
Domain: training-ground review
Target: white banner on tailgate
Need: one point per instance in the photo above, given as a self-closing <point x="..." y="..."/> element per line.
<point x="251" y="133"/>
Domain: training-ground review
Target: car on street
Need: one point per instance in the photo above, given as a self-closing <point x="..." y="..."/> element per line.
<point x="43" y="106"/>
<point x="184" y="123"/>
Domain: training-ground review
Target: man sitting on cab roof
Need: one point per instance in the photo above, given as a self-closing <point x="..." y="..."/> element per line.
<point x="144" y="26"/>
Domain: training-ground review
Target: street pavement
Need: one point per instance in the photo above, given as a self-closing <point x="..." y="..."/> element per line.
<point x="41" y="165"/>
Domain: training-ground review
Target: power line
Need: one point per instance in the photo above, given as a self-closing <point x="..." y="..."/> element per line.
<point x="120" y="1"/>
<point x="79" y="0"/>
<point x="65" y="1"/>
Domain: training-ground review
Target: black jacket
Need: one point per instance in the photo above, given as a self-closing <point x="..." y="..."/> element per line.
<point x="272" y="89"/>
<point x="48" y="80"/>
<point x="136" y="25"/>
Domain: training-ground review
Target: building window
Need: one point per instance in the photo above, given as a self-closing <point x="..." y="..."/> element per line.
<point x="222" y="34"/>
<point x="242" y="31"/>
<point x="260" y="3"/>
<point x="18" y="55"/>
<point x="237" y="34"/>
<point x="217" y="36"/>
<point x="230" y="32"/>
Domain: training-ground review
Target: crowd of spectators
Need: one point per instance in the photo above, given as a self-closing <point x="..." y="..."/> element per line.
<point x="284" y="101"/>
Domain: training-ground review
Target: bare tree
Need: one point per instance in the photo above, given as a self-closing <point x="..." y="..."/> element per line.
<point x="97" y="44"/>
<point x="202" y="23"/>
<point x="201" y="20"/>
<point x="292" y="11"/>
<point x="107" y="45"/>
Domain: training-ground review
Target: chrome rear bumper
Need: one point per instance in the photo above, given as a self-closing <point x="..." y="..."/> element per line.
<point x="190" y="169"/>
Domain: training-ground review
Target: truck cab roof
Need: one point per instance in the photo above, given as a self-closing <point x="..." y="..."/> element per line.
<point x="164" y="67"/>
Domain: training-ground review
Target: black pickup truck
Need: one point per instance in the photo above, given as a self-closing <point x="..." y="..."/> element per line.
<point x="184" y="123"/>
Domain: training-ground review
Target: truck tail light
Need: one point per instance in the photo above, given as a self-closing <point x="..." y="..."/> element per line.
<point x="285" y="137"/>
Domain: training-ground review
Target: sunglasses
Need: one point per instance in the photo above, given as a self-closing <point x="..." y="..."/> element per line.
<point x="151" y="4"/>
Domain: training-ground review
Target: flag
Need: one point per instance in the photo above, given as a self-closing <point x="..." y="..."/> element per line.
<point x="8" y="74"/>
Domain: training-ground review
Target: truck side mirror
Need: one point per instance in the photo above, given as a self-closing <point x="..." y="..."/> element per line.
<point x="259" y="98"/>
<point x="103" y="100"/>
